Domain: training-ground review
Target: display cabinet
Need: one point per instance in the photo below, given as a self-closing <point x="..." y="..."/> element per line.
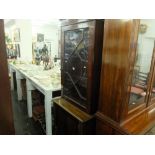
<point x="81" y="49"/>
<point x="127" y="92"/>
<point x="81" y="55"/>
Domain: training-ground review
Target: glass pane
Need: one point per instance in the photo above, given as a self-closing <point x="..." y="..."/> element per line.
<point x="142" y="65"/>
<point x="75" y="66"/>
<point x="153" y="85"/>
<point x="153" y="90"/>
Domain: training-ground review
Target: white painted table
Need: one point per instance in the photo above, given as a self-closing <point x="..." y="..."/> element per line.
<point x="37" y="81"/>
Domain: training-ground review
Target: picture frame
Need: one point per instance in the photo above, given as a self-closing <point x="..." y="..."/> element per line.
<point x="17" y="48"/>
<point x="17" y="35"/>
<point x="40" y="37"/>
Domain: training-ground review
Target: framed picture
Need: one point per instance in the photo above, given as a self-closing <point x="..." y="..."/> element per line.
<point x="17" y="35"/>
<point x="40" y="37"/>
<point x="17" y="48"/>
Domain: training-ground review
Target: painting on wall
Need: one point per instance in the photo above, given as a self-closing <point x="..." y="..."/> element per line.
<point x="40" y="50"/>
<point x="13" y="51"/>
<point x="40" y="37"/>
<point x="17" y="35"/>
<point x="17" y="48"/>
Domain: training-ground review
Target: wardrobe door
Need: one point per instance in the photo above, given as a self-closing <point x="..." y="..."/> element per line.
<point x="6" y="114"/>
<point x="120" y="38"/>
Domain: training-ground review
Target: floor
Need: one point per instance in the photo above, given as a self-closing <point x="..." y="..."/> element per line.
<point x="23" y="124"/>
<point x="27" y="126"/>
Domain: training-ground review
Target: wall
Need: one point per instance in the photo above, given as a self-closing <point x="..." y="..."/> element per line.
<point x="26" y="38"/>
<point x="29" y="30"/>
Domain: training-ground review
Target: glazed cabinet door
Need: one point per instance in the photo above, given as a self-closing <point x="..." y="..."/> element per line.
<point x="141" y="85"/>
<point x="79" y="57"/>
<point x="75" y="67"/>
<point x="151" y="91"/>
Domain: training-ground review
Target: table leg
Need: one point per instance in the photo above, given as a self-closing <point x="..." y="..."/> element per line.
<point x="12" y="83"/>
<point x="19" y="89"/>
<point x="48" y="117"/>
<point x="29" y="88"/>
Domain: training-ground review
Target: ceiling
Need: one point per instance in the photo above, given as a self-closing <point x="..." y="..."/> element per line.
<point x="35" y="22"/>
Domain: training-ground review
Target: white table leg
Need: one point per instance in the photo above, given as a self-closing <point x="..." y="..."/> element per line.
<point x="29" y="88"/>
<point x="12" y="83"/>
<point x="48" y="118"/>
<point x="19" y="89"/>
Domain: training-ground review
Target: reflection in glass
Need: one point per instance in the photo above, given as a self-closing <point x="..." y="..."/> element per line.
<point x="142" y="63"/>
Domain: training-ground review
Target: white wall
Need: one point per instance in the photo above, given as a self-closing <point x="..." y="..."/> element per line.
<point x="26" y="38"/>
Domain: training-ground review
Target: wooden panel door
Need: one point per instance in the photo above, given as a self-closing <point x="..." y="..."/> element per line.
<point x="6" y="114"/>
